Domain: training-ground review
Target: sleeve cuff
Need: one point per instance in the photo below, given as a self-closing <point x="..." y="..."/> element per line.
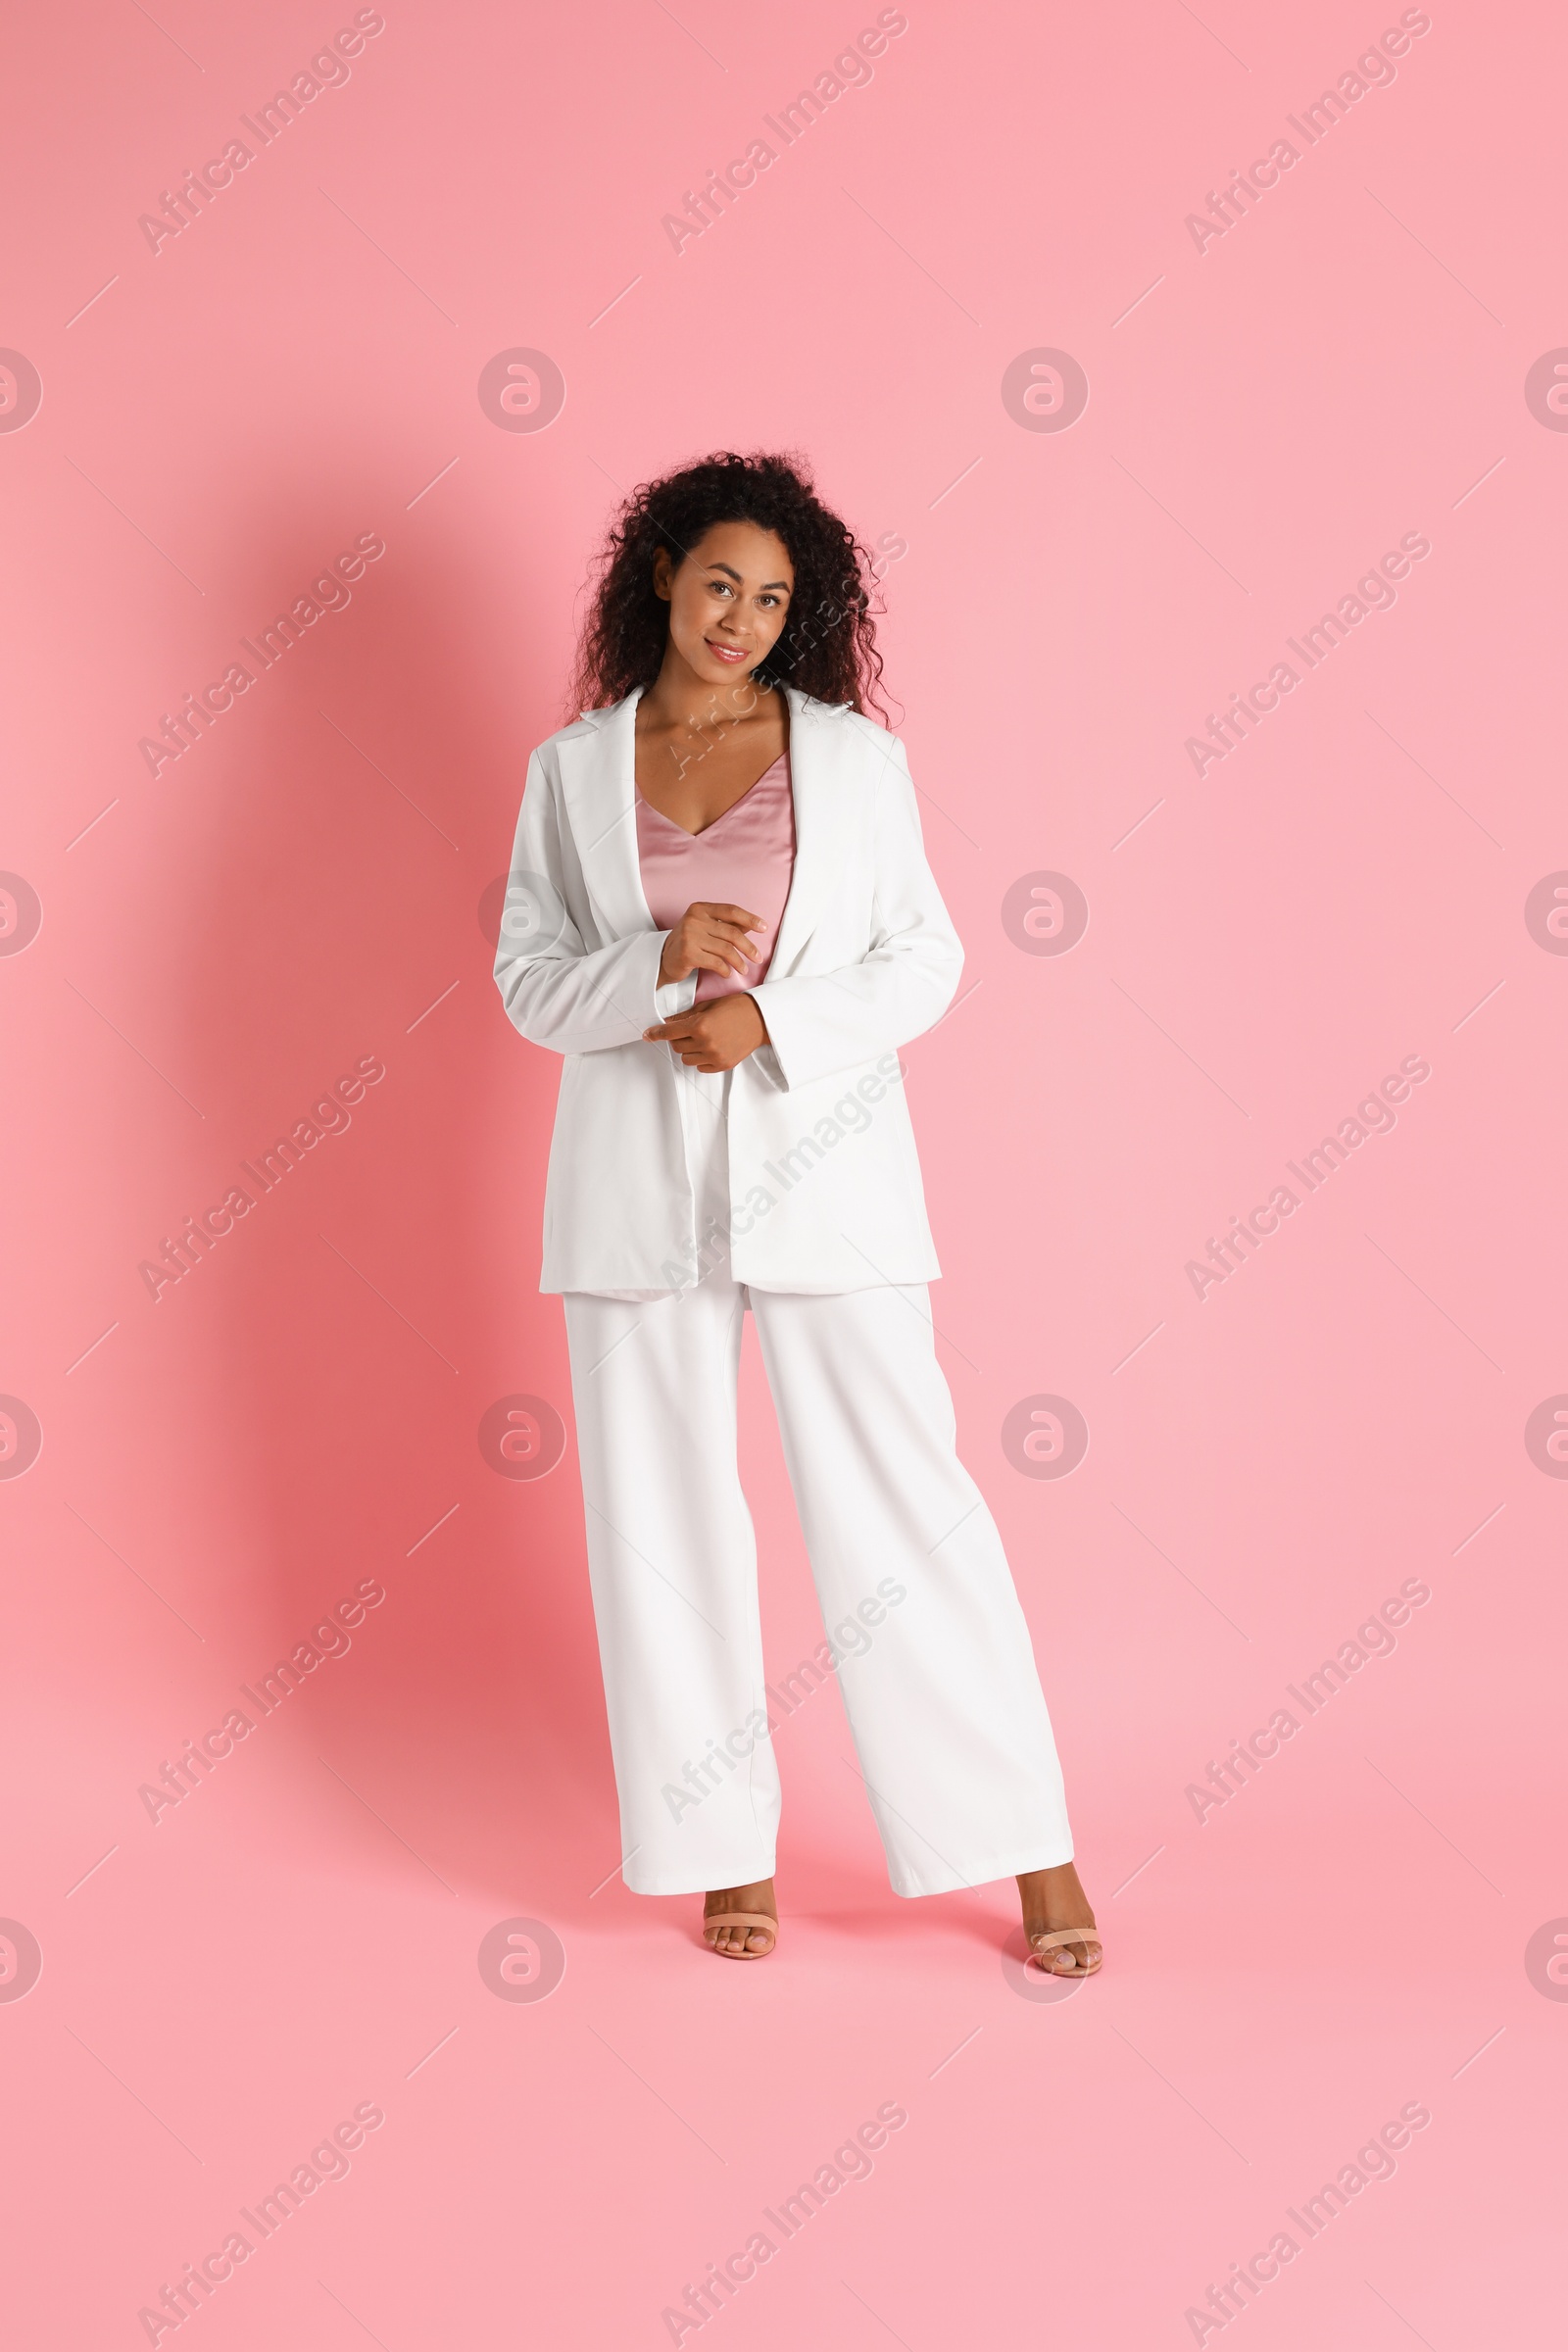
<point x="676" y="996"/>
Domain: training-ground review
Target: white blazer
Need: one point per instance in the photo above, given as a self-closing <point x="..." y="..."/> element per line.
<point x="824" y="1178"/>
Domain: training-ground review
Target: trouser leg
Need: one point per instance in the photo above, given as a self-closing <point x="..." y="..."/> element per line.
<point x="934" y="1655"/>
<point x="673" y="1563"/>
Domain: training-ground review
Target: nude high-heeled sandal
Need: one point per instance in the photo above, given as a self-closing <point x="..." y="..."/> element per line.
<point x="1040" y="1944"/>
<point x="741" y="1919"/>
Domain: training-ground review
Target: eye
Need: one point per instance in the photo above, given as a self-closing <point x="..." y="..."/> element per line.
<point x="721" y="587"/>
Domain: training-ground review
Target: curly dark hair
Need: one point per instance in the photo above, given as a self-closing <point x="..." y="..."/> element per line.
<point x="828" y="645"/>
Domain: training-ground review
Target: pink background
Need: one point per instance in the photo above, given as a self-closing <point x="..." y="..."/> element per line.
<point x="301" y="1413"/>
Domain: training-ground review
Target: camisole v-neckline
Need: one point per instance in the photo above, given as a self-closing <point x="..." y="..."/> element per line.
<point x="768" y="774"/>
<point x="747" y="862"/>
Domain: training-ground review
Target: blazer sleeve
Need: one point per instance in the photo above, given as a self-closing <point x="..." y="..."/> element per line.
<point x="558" y="990"/>
<point x="823" y="1022"/>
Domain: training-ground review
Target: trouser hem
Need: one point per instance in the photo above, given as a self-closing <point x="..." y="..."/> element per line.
<point x="686" y="1885"/>
<point x="1048" y="1856"/>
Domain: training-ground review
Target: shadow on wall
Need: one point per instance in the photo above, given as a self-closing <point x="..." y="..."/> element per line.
<point x="380" y="1293"/>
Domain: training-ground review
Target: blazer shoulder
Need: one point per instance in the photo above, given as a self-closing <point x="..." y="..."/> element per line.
<point x="877" y="745"/>
<point x="581" y="729"/>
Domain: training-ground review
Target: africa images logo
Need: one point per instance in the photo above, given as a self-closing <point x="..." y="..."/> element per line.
<point x="21" y="391"/>
<point x="521" y="390"/>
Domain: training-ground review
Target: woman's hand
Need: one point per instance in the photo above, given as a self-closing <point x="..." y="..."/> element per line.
<point x="715" y="1036"/>
<point x="709" y="938"/>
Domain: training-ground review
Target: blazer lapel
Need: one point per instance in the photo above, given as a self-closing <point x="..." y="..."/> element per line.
<point x="599" y="779"/>
<point x="815" y="751"/>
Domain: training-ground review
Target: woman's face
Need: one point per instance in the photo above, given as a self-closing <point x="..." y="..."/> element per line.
<point x="728" y="600"/>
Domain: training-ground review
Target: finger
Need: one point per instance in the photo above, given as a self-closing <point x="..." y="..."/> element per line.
<point x="730" y="938"/>
<point x="698" y="952"/>
<point x="724" y="912"/>
<point x="716" y="929"/>
<point x="730" y="944"/>
<point x="699" y="964"/>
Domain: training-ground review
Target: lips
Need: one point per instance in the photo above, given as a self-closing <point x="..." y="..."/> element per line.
<point x="725" y="653"/>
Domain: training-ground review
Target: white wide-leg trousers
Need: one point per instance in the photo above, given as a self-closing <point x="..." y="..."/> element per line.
<point x="925" y="1631"/>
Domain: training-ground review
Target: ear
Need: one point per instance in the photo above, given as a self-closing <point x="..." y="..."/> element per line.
<point x="663" y="573"/>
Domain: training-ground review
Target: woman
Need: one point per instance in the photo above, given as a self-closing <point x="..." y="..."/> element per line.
<point x="720" y="913"/>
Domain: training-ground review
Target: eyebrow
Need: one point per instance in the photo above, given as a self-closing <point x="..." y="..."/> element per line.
<point x="740" y="583"/>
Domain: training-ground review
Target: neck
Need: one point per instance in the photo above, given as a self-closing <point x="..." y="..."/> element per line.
<point x="679" y="699"/>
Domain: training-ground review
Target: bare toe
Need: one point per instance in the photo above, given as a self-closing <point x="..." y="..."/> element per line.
<point x="1075" y="1959"/>
<point x="737" y="1937"/>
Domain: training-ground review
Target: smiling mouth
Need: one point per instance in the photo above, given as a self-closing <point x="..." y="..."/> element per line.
<point x="725" y="653"/>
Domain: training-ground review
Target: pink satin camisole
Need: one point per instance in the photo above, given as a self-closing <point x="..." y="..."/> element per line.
<point x="746" y="859"/>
